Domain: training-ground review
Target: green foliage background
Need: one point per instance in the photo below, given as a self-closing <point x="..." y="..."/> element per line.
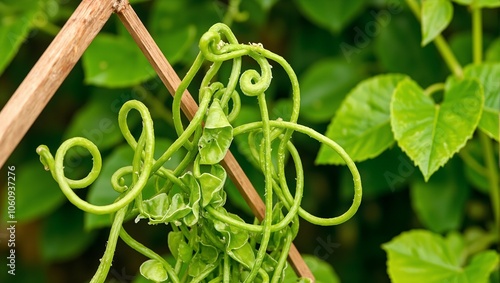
<point x="343" y="52"/>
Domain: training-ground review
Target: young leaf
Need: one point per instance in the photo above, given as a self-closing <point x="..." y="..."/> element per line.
<point x="488" y="75"/>
<point x="324" y="85"/>
<point x="333" y="15"/>
<point x="217" y="136"/>
<point x="362" y="123"/>
<point x="422" y="256"/>
<point x="431" y="134"/>
<point x="153" y="270"/>
<point x="115" y="61"/>
<point x="436" y="16"/>
<point x="440" y="203"/>
<point x="212" y="185"/>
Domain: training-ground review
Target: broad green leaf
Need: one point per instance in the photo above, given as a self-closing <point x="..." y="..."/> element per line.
<point x="153" y="270"/>
<point x="115" y="61"/>
<point x="436" y="16"/>
<point x="63" y="236"/>
<point x="333" y="15"/>
<point x="440" y="202"/>
<point x="217" y="136"/>
<point x="16" y="21"/>
<point x="398" y="50"/>
<point x="322" y="271"/>
<point x="422" y="256"/>
<point x="324" y="85"/>
<point x="431" y="134"/>
<point x="493" y="51"/>
<point x="33" y="201"/>
<point x="488" y="75"/>
<point x="362" y="123"/>
<point x="194" y="198"/>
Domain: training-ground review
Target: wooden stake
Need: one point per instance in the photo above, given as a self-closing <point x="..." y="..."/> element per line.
<point x="169" y="77"/>
<point x="49" y="72"/>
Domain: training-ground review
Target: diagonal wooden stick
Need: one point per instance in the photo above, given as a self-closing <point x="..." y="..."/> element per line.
<point x="169" y="77"/>
<point x="50" y="71"/>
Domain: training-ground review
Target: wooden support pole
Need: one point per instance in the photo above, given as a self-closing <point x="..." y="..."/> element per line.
<point x="50" y="71"/>
<point x="169" y="77"/>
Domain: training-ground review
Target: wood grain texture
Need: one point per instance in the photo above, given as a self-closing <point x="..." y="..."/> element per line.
<point x="50" y="71"/>
<point x="171" y="80"/>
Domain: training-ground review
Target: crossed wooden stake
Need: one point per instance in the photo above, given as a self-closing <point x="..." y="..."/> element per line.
<point x="58" y="60"/>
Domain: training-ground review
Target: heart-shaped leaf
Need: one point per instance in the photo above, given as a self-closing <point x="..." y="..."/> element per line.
<point x="488" y="75"/>
<point x="431" y="134"/>
<point x="436" y="16"/>
<point x="422" y="256"/>
<point x="362" y="123"/>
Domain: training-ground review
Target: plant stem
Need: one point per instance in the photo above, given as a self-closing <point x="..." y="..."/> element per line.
<point x="492" y="175"/>
<point x="441" y="44"/>
<point x="486" y="144"/>
<point x="477" y="35"/>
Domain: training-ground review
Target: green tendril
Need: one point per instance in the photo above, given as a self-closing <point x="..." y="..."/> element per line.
<point x="209" y="243"/>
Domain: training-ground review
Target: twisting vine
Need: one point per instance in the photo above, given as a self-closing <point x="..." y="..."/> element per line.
<point x="209" y="243"/>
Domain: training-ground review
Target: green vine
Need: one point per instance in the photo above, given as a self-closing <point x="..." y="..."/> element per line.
<point x="209" y="243"/>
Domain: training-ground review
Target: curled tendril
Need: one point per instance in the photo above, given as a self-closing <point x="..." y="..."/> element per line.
<point x="205" y="238"/>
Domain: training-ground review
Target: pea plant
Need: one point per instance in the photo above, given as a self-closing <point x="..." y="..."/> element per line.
<point x="209" y="243"/>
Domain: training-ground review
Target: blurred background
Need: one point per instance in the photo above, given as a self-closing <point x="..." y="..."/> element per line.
<point x="331" y="45"/>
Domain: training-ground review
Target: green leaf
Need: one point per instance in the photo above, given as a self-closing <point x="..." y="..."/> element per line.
<point x="324" y="85"/>
<point x="266" y="4"/>
<point x="362" y="123"/>
<point x="431" y="134"/>
<point x="422" y="256"/>
<point x="217" y="136"/>
<point x="115" y="61"/>
<point x="322" y="271"/>
<point x="33" y="201"/>
<point x="63" y="236"/>
<point x="398" y="50"/>
<point x="436" y="16"/>
<point x="212" y="185"/>
<point x="333" y="15"/>
<point x="488" y="75"/>
<point x="440" y="202"/>
<point x="493" y="51"/>
<point x="153" y="270"/>
<point x="16" y="21"/>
